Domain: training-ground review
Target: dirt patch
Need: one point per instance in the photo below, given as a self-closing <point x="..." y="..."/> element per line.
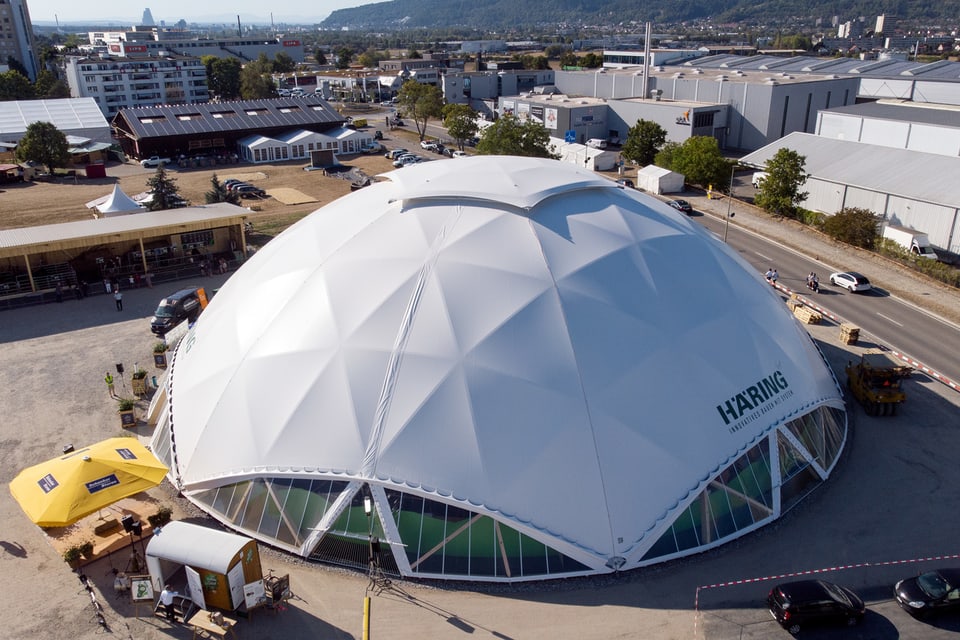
<point x="290" y="196"/>
<point x="32" y="204"/>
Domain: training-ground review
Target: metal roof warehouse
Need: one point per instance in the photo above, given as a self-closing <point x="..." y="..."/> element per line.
<point x="188" y="129"/>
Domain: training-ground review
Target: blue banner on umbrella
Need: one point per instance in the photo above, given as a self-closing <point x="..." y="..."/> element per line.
<point x="126" y="454"/>
<point x="48" y="483"/>
<point x="102" y="483"/>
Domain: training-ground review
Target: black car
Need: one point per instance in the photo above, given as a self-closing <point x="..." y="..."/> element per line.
<point x="681" y="205"/>
<point x="185" y="304"/>
<point x="625" y="182"/>
<point x="811" y="602"/>
<point x="937" y="590"/>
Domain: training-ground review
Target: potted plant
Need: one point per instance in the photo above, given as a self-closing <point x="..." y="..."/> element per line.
<point x="86" y="549"/>
<point x="72" y="556"/>
<point x="160" y="355"/>
<point x="139" y="383"/>
<point x="125" y="409"/>
<point x="161" y="517"/>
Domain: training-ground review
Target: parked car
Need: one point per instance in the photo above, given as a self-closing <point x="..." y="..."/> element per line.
<point x="393" y="154"/>
<point x="459" y="154"/>
<point x="681" y="205"/>
<point x="403" y="161"/>
<point x="798" y="604"/>
<point x="233" y="186"/>
<point x="850" y="280"/>
<point x="929" y="592"/>
<point x="250" y="191"/>
<point x="625" y="182"/>
<point x="229" y="181"/>
<point x="154" y="161"/>
<point x="428" y="145"/>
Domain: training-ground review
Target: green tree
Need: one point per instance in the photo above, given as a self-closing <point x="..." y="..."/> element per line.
<point x="371" y="58"/>
<point x="45" y="144"/>
<point x="461" y="122"/>
<point x="854" y="226"/>
<point x="420" y="102"/>
<point x="591" y="60"/>
<point x="223" y="78"/>
<point x="699" y="160"/>
<point x="534" y="62"/>
<point x="219" y="193"/>
<point x="569" y="59"/>
<point x="413" y="54"/>
<point x="283" y="63"/>
<point x="344" y="56"/>
<point x="508" y="136"/>
<point x="16" y="86"/>
<point x="779" y="192"/>
<point x="164" y="191"/>
<point x="49" y="86"/>
<point x="254" y="84"/>
<point x="644" y="141"/>
<point x="320" y="56"/>
<point x="554" y="51"/>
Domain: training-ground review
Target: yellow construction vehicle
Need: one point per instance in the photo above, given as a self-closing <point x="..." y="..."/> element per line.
<point x="875" y="382"/>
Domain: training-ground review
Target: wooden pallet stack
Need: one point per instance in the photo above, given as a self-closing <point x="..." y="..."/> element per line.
<point x="807" y="315"/>
<point x="849" y="334"/>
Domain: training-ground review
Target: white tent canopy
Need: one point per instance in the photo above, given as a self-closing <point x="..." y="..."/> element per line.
<point x="117" y="202"/>
<point x="654" y="179"/>
<point x="195" y="546"/>
<point x="513" y="337"/>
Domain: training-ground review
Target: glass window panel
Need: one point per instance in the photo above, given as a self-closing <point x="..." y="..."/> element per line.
<point x="534" y="554"/>
<point x="270" y="522"/>
<point x="234" y="510"/>
<point x="666" y="545"/>
<point x="253" y="509"/>
<point x="802" y="479"/>
<point x="224" y="495"/>
<point x="686" y="528"/>
<point x="834" y="428"/>
<point x="512" y="547"/>
<point x="484" y="549"/>
<point x="719" y="507"/>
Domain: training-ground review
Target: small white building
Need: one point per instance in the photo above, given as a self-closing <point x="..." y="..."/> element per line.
<point x="298" y="144"/>
<point x="584" y="156"/>
<point x="654" y="179"/>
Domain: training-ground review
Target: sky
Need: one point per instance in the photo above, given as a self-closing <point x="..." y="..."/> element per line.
<point x="170" y="11"/>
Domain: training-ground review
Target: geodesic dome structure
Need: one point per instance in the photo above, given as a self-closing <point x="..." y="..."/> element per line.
<point x="497" y="368"/>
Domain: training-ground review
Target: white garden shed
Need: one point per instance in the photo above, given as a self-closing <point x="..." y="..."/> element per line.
<point x="657" y="180"/>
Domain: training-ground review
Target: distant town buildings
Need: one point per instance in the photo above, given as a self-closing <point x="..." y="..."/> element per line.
<point x="148" y="40"/>
<point x="16" y="36"/>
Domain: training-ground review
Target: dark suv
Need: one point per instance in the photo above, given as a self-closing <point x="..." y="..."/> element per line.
<point x="185" y="304"/>
<point x="806" y="602"/>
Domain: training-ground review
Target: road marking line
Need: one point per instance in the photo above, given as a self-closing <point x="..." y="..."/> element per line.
<point x="888" y="319"/>
<point x="767" y="258"/>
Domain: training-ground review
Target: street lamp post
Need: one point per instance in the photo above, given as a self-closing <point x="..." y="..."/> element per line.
<point x="726" y="221"/>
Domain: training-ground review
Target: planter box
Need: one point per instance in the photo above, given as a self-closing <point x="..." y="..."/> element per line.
<point x="139" y="386"/>
<point x="160" y="360"/>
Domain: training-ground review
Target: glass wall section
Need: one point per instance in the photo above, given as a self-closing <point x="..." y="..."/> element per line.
<point x="356" y="539"/>
<point x="821" y="432"/>
<point x="278" y="509"/>
<point x="741" y="496"/>
<point x="442" y="539"/>
<point x="797" y="475"/>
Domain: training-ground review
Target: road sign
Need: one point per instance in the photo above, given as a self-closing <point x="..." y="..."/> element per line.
<point x="570" y="136"/>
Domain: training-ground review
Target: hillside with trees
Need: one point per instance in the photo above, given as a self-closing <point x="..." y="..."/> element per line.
<point x="512" y="14"/>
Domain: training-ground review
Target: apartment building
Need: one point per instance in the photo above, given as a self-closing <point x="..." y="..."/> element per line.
<point x="128" y="82"/>
<point x="16" y="36"/>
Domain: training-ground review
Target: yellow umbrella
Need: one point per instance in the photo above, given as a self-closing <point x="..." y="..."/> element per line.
<point x="59" y="492"/>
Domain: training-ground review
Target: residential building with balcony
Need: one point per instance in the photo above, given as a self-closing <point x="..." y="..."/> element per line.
<point x="124" y="83"/>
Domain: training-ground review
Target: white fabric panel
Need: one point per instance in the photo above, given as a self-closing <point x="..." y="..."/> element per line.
<point x="555" y="357"/>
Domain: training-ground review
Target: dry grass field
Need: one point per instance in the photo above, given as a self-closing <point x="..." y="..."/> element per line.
<point x="39" y="203"/>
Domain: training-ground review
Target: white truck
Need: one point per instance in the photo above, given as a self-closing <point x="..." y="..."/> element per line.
<point x="916" y="242"/>
<point x="154" y="161"/>
<point x="758" y="178"/>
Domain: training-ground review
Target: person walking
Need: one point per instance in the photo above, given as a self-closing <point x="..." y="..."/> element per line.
<point x="108" y="378"/>
<point x="118" y="298"/>
<point x="166" y="599"/>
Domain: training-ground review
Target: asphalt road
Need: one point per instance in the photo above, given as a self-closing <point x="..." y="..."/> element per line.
<point x="882" y="317"/>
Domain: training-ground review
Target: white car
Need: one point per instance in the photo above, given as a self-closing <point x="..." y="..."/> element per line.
<point x="428" y="145"/>
<point x="459" y="154"/>
<point x="403" y="161"/>
<point x="850" y="280"/>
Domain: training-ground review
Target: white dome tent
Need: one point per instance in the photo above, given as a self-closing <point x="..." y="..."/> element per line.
<point x="528" y="371"/>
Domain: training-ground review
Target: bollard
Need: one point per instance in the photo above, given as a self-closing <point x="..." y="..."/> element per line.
<point x="154" y="380"/>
